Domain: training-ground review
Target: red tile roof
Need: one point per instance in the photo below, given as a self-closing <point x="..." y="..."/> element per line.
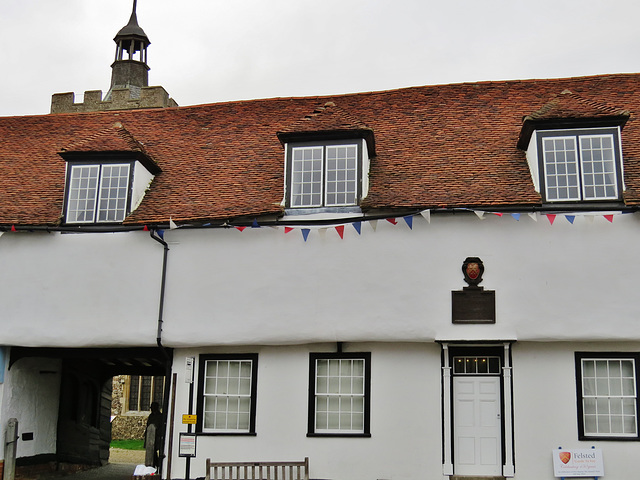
<point x="436" y="146"/>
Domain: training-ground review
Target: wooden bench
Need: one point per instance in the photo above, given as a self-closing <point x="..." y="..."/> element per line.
<point x="257" y="470"/>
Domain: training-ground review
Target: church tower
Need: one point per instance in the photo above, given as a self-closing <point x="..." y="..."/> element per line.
<point x="130" y="68"/>
<point x="129" y="87"/>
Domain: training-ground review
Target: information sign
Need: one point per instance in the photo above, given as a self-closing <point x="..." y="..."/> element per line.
<point x="578" y="463"/>
<point x="187" y="445"/>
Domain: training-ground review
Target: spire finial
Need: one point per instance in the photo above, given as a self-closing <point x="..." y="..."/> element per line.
<point x="135" y="2"/>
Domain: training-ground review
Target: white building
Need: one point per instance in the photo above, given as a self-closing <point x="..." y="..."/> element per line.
<point x="306" y="254"/>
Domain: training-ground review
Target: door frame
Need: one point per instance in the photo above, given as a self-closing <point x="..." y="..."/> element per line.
<point x="503" y="350"/>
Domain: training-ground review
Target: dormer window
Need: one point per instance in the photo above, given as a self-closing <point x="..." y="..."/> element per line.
<point x="98" y="193"/>
<point x="573" y="149"/>
<point x="325" y="175"/>
<point x="580" y="164"/>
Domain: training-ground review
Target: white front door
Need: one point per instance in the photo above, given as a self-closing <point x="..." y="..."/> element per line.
<point x="477" y="426"/>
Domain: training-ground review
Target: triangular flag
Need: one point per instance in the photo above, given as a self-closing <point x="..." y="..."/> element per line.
<point x="479" y="213"/>
<point x="255" y="223"/>
<point x="1" y="233"/>
<point x="374" y="224"/>
<point x="516" y="216"/>
<point x="570" y="218"/>
<point x="160" y="233"/>
<point x="392" y="220"/>
<point x="589" y="218"/>
<point x="287" y="229"/>
<point x="358" y="227"/>
<point x="240" y="228"/>
<point x="172" y="224"/>
<point x="323" y="232"/>
<point x="609" y="217"/>
<point x="340" y="230"/>
<point x="305" y="233"/>
<point x="145" y="229"/>
<point x="551" y="217"/>
<point x="13" y="228"/>
<point x="497" y="213"/>
<point x="427" y="215"/>
<point x="409" y="220"/>
<point x="533" y="216"/>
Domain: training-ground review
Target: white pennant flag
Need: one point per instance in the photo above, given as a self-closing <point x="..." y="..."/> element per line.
<point x="172" y="224"/>
<point x="323" y="232"/>
<point x="533" y="216"/>
<point x="427" y="215"/>
<point x="479" y="213"/>
<point x="374" y="224"/>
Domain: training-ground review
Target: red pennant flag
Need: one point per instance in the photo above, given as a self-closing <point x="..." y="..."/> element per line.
<point x="551" y="217"/>
<point x="609" y="217"/>
<point x="13" y="228"/>
<point x="497" y="213"/>
<point x="287" y="229"/>
<point x="392" y="220"/>
<point x="241" y="228"/>
<point x="145" y="229"/>
<point x="340" y="230"/>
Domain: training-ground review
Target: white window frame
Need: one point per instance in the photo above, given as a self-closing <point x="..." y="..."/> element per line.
<point x="96" y="194"/>
<point x="339" y="400"/>
<point x="607" y="396"/>
<point x="315" y="181"/>
<point x="575" y="163"/>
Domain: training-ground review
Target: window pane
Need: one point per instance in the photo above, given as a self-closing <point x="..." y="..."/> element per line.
<point x="82" y="187"/>
<point x="341" y="175"/>
<point x="339" y="396"/>
<point x="560" y="168"/>
<point x="596" y="152"/>
<point x="306" y="176"/>
<point x="609" y="403"/>
<point x="114" y="186"/>
<point x="227" y="391"/>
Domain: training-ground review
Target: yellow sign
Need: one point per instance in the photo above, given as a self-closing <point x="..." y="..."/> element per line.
<point x="189" y="419"/>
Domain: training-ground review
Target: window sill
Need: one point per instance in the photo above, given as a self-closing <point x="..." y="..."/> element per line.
<point x="333" y="435"/>
<point x="226" y="434"/>
<point x="322" y="213"/>
<point x="608" y="439"/>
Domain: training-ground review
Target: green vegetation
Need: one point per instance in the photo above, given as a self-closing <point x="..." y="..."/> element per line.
<point x="128" y="444"/>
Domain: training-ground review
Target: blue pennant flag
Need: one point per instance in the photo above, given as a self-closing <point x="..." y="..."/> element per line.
<point x="571" y="218"/>
<point x="516" y="216"/>
<point x="160" y="233"/>
<point x="358" y="227"/>
<point x="255" y="223"/>
<point x="305" y="233"/>
<point x="409" y="220"/>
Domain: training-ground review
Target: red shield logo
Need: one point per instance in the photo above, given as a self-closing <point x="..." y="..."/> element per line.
<point x="473" y="270"/>
<point x="565" y="457"/>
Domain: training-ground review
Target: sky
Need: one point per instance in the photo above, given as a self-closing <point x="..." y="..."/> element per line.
<point x="207" y="51"/>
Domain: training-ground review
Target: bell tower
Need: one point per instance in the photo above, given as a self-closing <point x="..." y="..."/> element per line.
<point x="130" y="68"/>
<point x="129" y="87"/>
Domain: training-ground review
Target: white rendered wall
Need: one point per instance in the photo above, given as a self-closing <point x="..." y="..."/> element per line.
<point x="261" y="286"/>
<point x="33" y="400"/>
<point x="79" y="290"/>
<point x="405" y="440"/>
<point x="545" y="409"/>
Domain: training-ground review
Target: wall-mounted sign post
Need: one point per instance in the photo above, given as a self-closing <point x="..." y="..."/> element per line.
<point x="578" y="463"/>
<point x="189" y="366"/>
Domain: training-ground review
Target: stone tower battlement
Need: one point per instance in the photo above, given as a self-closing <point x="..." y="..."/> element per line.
<point x="118" y="99"/>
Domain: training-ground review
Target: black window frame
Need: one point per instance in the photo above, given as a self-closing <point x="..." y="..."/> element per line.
<point x="366" y="356"/>
<point x="578" y="132"/>
<point x="579" y="356"/>
<point x="203" y="358"/>
<point x="324" y="144"/>
<point x="99" y="161"/>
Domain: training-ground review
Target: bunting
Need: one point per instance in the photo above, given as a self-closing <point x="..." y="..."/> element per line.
<point x="409" y="220"/>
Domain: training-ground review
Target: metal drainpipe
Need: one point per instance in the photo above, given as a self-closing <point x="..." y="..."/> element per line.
<point x="160" y="240"/>
<point x="153" y="234"/>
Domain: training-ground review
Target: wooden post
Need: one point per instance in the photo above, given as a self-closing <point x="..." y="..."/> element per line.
<point x="150" y="445"/>
<point x="10" y="446"/>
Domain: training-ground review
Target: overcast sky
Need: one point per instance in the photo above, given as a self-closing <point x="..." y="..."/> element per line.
<point x="205" y="51"/>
